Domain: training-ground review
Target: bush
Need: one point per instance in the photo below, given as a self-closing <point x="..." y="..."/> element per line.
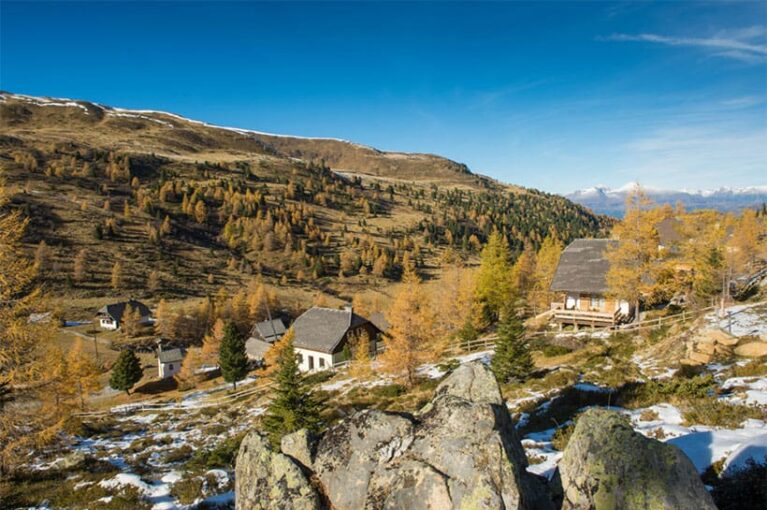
<point x="187" y="490"/>
<point x="717" y="413"/>
<point x="178" y="454"/>
<point x="554" y="350"/>
<point x="388" y="391"/>
<point x="221" y="456"/>
<point x="744" y="489"/>
<point x="562" y="436"/>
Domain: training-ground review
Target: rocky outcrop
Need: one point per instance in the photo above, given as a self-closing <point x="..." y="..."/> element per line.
<point x="608" y="465"/>
<point x="265" y="479"/>
<point x="459" y="451"/>
<point x="708" y="345"/>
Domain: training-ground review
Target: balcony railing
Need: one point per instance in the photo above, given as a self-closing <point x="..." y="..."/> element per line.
<point x="586" y="318"/>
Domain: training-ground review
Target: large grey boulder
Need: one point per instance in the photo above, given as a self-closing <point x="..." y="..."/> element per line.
<point x="459" y="452"/>
<point x="265" y="479"/>
<point x="300" y="446"/>
<point x="473" y="382"/>
<point x="349" y="453"/>
<point x="607" y="465"/>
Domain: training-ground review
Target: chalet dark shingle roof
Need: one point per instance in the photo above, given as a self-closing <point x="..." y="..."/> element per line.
<point x="583" y="267"/>
<point x="256" y="349"/>
<point x="170" y="356"/>
<point x="668" y="231"/>
<point x="116" y="310"/>
<point x="379" y="320"/>
<point x="269" y="331"/>
<point x="323" y="329"/>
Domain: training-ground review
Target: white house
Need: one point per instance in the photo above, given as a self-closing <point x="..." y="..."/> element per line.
<point x="110" y="316"/>
<point x="322" y="333"/>
<point x="169" y="362"/>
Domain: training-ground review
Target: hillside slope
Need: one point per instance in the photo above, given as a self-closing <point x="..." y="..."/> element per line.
<point x="195" y="207"/>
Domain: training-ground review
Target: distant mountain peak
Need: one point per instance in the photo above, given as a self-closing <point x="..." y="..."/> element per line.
<point x="605" y="200"/>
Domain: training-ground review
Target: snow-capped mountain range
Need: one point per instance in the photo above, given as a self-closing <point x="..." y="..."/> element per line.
<point x="604" y="200"/>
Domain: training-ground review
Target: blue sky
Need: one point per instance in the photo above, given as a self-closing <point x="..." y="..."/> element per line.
<point x="557" y="96"/>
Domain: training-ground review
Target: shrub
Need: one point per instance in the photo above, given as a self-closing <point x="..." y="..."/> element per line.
<point x="449" y="365"/>
<point x="562" y="436"/>
<point x="388" y="391"/>
<point x="178" y="454"/>
<point x="717" y="413"/>
<point x="220" y="456"/>
<point x="648" y="415"/>
<point x="746" y="488"/>
<point x="187" y="490"/>
<point x="554" y="350"/>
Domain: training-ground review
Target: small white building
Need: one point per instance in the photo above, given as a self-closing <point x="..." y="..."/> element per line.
<point x="322" y="333"/>
<point x="169" y="362"/>
<point x="110" y="316"/>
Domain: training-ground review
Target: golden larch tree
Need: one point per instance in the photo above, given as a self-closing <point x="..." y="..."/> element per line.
<point x="24" y="349"/>
<point x="411" y="334"/>
<point x="632" y="257"/>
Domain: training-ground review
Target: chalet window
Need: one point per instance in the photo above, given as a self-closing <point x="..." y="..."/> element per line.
<point x="597" y="303"/>
<point x="322" y="362"/>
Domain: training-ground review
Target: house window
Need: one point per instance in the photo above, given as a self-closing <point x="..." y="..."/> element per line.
<point x="300" y="358"/>
<point x="597" y="303"/>
<point x="322" y="362"/>
<point x="170" y="367"/>
<point x="311" y="363"/>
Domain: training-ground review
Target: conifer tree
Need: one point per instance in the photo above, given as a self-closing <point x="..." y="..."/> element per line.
<point x="294" y="406"/>
<point x="411" y="341"/>
<point x="41" y="257"/>
<point x="83" y="372"/>
<point x="360" y="362"/>
<point x="232" y="358"/>
<point x="24" y="346"/>
<point x="153" y="281"/>
<point x="126" y="372"/>
<point x="494" y="278"/>
<point x="80" y="266"/>
<point x="117" y="275"/>
<point x="632" y="258"/>
<point x="512" y="359"/>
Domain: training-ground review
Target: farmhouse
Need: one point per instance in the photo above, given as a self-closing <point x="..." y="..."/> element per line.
<point x="262" y="336"/>
<point x="168" y="362"/>
<point x="322" y="333"/>
<point x="581" y="282"/>
<point x="110" y="316"/>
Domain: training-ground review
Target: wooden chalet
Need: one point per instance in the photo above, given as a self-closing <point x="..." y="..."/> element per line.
<point x="580" y="282"/>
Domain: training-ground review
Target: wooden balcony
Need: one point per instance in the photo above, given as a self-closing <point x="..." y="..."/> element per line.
<point x="586" y="318"/>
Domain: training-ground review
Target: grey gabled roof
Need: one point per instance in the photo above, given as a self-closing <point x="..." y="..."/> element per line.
<point x="379" y="320"/>
<point x="256" y="349"/>
<point x="269" y="331"/>
<point x="669" y="231"/>
<point x="170" y="356"/>
<point x="323" y="329"/>
<point x="583" y="267"/>
<point x="116" y="310"/>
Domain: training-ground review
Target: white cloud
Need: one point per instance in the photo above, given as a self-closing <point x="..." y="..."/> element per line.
<point x="698" y="156"/>
<point x="737" y="44"/>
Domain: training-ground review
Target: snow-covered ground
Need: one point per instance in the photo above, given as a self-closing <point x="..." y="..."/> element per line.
<point x="741" y="320"/>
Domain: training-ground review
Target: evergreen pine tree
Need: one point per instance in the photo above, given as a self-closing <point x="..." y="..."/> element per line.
<point x="294" y="406"/>
<point x="126" y="372"/>
<point x="512" y="359"/>
<point x="231" y="357"/>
